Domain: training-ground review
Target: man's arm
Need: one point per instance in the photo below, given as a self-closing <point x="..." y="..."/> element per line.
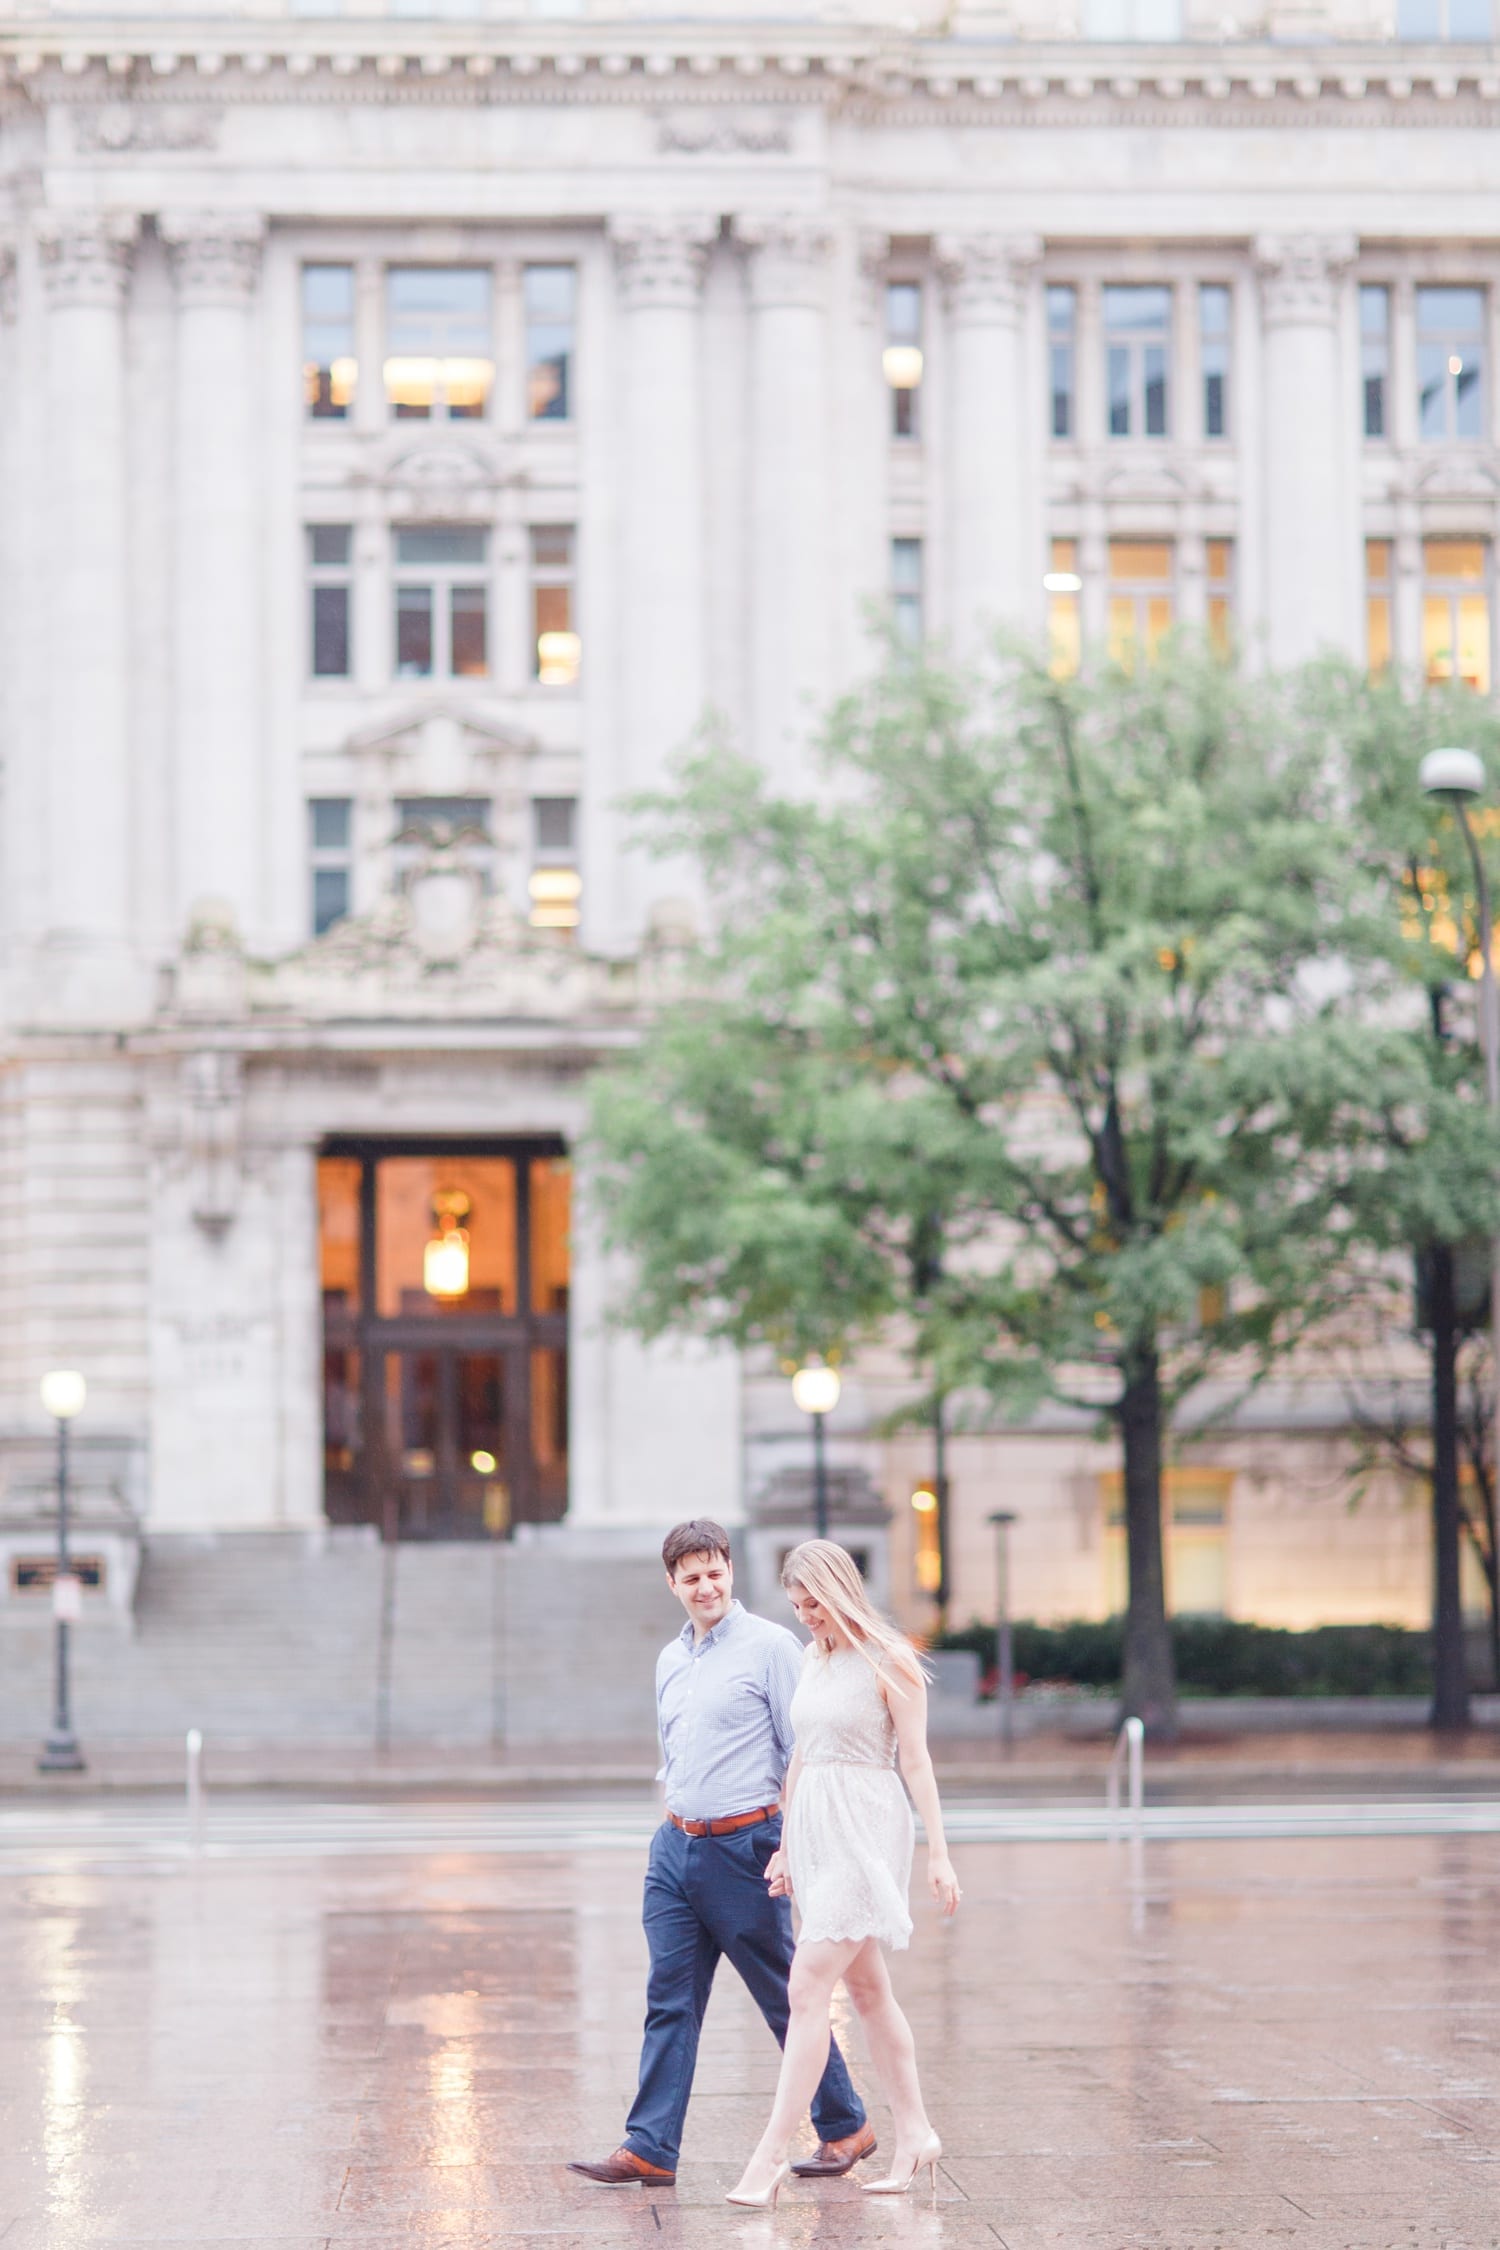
<point x="782" y="1672"/>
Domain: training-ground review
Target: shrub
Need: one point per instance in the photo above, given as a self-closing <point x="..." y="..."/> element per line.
<point x="1221" y="1656"/>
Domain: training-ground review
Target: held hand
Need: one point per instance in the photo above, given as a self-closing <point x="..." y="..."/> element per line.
<point x="943" y="1884"/>
<point x="778" y="1881"/>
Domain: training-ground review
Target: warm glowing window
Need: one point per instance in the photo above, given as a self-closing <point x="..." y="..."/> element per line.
<point x="1140" y="607"/>
<point x="901" y="360"/>
<point x="549" y="293"/>
<point x="1137" y="357"/>
<point x="1456" y="611"/>
<point x="557" y="652"/>
<point x="1450" y="362"/>
<point x="438" y="342"/>
<point x="1375" y="357"/>
<point x="1195" y="1541"/>
<point x="1062" y="330"/>
<point x="1218" y="558"/>
<point x="329" y="365"/>
<point x="1064" y="590"/>
<point x="554" y="885"/>
<point x="1379" y="597"/>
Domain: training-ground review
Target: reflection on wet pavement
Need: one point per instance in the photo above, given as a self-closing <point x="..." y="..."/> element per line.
<point x="1289" y="2042"/>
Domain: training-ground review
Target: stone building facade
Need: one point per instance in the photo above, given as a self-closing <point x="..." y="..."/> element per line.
<point x="412" y="420"/>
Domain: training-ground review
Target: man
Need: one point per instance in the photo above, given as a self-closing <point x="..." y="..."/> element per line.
<point x="723" y="1697"/>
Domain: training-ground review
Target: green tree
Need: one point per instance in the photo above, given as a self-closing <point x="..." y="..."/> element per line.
<point x="1028" y="1032"/>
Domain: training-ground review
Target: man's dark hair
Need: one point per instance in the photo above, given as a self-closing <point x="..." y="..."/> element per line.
<point x="700" y="1535"/>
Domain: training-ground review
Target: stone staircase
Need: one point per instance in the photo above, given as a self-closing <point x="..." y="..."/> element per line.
<point x="336" y="1639"/>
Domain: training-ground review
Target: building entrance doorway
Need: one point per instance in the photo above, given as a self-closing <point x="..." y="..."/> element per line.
<point x="445" y="1335"/>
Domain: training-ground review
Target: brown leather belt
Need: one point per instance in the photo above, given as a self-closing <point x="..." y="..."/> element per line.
<point x="724" y="1827"/>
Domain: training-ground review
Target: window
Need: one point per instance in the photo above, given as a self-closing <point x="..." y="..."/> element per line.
<point x="556" y="649"/>
<point x="441" y="607"/>
<point x="328" y="821"/>
<point x="1379" y="637"/>
<point x="328" y="362"/>
<point x="1063" y="586"/>
<point x="555" y="886"/>
<point x="1375" y="355"/>
<point x="549" y="293"/>
<point x="1140" y="597"/>
<point x="1218" y="557"/>
<point x="438" y="341"/>
<point x="1450" y="362"/>
<point x="328" y="550"/>
<point x="1213" y="344"/>
<point x="1195" y="1540"/>
<point x="901" y="361"/>
<point x="1444" y="19"/>
<point x="1456" y="611"/>
<point x="1062" y="323"/>
<point x="906" y="590"/>
<point x="1132" y="19"/>
<point x="1137" y="347"/>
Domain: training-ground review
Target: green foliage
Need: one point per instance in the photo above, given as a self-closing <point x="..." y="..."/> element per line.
<point x="1221" y="1656"/>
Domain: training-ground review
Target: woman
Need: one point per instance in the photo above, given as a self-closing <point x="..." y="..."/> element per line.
<point x="846" y="1856"/>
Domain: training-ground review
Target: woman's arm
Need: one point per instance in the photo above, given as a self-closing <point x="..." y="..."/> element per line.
<point x="778" y="1881"/>
<point x="906" y="1700"/>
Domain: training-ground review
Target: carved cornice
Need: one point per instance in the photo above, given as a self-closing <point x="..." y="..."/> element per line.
<point x="86" y="256"/>
<point x="789" y="258"/>
<point x="215" y="257"/>
<point x="1300" y="276"/>
<point x="661" y="261"/>
<point x="985" y="276"/>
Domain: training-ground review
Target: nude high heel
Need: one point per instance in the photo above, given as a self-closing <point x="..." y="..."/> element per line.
<point x="766" y="2202"/>
<point x="927" y="2158"/>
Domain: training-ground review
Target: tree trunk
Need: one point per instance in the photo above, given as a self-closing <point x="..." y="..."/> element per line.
<point x="1450" y="1686"/>
<point x="1150" y="1688"/>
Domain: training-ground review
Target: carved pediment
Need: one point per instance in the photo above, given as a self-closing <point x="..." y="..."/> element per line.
<point x="1459" y="479"/>
<point x="441" y="477"/>
<point x="436" y="728"/>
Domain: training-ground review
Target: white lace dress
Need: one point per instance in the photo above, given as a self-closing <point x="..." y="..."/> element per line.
<point x="849" y="1832"/>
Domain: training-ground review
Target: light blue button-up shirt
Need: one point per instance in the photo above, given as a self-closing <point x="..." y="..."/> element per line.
<point x="724" y="1710"/>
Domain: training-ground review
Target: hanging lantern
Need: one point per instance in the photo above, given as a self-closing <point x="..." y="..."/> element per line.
<point x="445" y="1260"/>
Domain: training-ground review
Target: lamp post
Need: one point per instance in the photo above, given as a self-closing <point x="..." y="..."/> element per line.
<point x="815" y="1389"/>
<point x="1005" y="1665"/>
<point x="1456" y="777"/>
<point x="63" y="1394"/>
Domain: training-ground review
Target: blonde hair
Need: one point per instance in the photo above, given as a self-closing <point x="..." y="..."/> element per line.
<point x="833" y="1579"/>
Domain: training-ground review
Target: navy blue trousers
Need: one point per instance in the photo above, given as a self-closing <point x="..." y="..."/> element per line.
<point x="705" y="1897"/>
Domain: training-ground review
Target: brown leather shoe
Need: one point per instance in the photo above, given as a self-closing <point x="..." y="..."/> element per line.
<point x="835" y="2158"/>
<point x="626" y="2169"/>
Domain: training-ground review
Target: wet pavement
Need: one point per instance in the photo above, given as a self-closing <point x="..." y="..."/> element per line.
<point x="1207" y="2044"/>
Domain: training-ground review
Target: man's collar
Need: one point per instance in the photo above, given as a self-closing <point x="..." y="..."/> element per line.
<point x="735" y="1609"/>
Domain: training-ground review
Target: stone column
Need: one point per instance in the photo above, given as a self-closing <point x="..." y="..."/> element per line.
<point x="659" y="265"/>
<point x="791" y="548"/>
<point x="86" y="269"/>
<point x="992" y="446"/>
<point x="1312" y="526"/>
<point x="218" y="655"/>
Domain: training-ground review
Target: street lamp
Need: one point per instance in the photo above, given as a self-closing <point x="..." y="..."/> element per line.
<point x="63" y="1394"/>
<point x="1456" y="778"/>
<point x="1005" y="1666"/>
<point x="815" y="1389"/>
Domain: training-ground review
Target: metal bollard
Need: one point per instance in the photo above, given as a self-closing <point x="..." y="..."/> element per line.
<point x="1130" y="1746"/>
<point x="195" y="1789"/>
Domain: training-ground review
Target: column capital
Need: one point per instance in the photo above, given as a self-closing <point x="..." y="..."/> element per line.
<point x="7" y="277"/>
<point x="215" y="256"/>
<point x="791" y="254"/>
<point x="1300" y="275"/>
<point x="985" y="276"/>
<point x="661" y="261"/>
<point x="86" y="256"/>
